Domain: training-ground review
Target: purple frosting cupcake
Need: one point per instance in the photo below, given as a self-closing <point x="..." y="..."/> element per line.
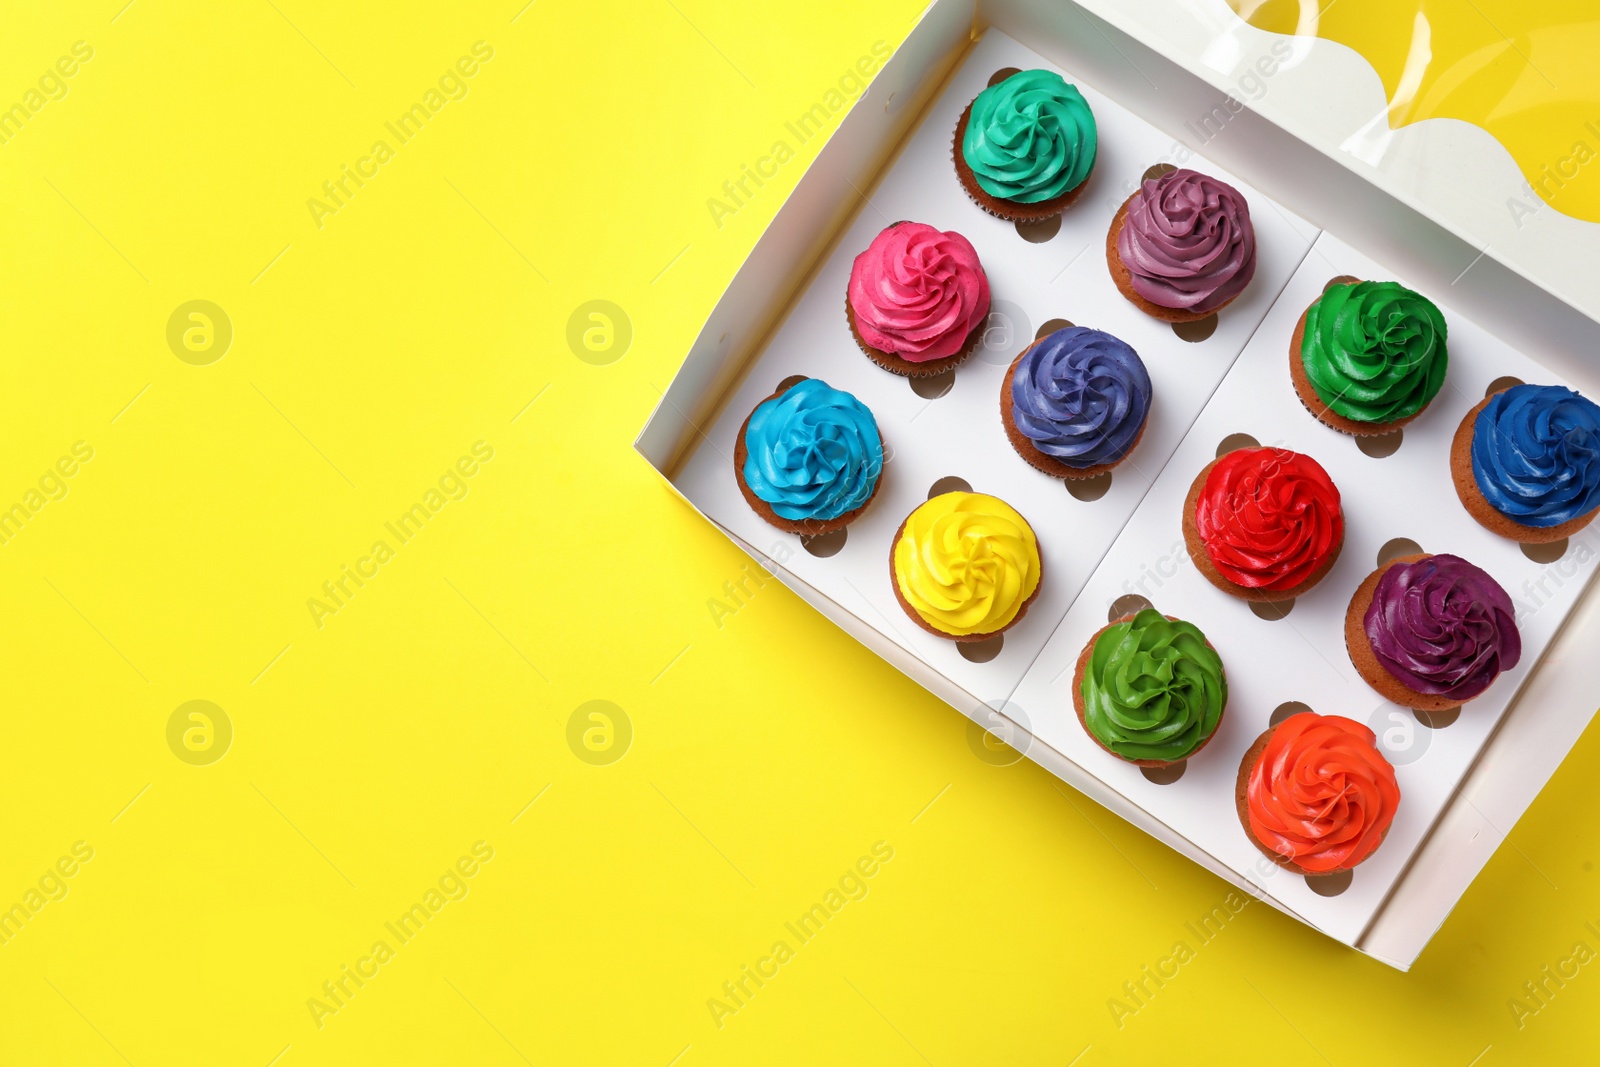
<point x="1185" y="245"/>
<point x="1442" y="627"/>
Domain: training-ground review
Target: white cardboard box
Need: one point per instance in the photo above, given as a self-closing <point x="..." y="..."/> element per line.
<point x="783" y="314"/>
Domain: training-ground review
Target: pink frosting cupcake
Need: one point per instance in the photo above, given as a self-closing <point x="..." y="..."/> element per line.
<point x="918" y="299"/>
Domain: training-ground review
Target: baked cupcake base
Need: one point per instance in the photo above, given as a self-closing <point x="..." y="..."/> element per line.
<point x="1242" y="805"/>
<point x="1123" y="278"/>
<point x="1314" y="403"/>
<point x="1202" y="558"/>
<point x="1477" y="504"/>
<point x="907" y="368"/>
<point x="911" y="612"/>
<point x="1029" y="451"/>
<point x="1366" y="662"/>
<point x="1078" y="705"/>
<point x="1010" y="210"/>
<point x="803" y="527"/>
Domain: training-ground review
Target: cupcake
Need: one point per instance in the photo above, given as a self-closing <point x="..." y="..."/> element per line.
<point x="809" y="458"/>
<point x="1182" y="248"/>
<point x="1315" y="795"/>
<point x="1075" y="402"/>
<point x="1367" y="357"/>
<point x="1263" y="524"/>
<point x="1025" y="146"/>
<point x="965" y="566"/>
<point x="1150" y="689"/>
<point x="1431" y="632"/>
<point x="1526" y="462"/>
<point x="917" y="299"/>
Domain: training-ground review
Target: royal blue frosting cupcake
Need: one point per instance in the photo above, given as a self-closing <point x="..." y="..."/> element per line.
<point x="1076" y="402"/>
<point x="1527" y="462"/>
<point x="809" y="458"/>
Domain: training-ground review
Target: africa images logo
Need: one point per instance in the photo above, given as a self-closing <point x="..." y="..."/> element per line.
<point x="340" y="590"/>
<point x="742" y="188"/>
<point x="52" y="85"/>
<point x="450" y="887"/>
<point x="338" y="191"/>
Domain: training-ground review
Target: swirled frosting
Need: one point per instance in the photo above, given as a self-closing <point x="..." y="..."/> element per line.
<point x="1536" y="454"/>
<point x="812" y="452"/>
<point x="1188" y="242"/>
<point x="1443" y="627"/>
<point x="1081" y="396"/>
<point x="1321" y="794"/>
<point x="917" y="293"/>
<point x="1030" y="138"/>
<point x="1268" y="517"/>
<point x="966" y="563"/>
<point x="1153" y="689"/>
<point x="1374" y="351"/>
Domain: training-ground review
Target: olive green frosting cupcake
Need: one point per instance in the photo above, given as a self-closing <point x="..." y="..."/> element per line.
<point x="1151" y="690"/>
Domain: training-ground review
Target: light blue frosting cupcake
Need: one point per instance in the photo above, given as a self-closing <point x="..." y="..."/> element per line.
<point x="814" y="452"/>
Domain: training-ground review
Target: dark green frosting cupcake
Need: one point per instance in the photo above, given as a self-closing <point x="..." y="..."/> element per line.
<point x="1374" y="352"/>
<point x="1153" y="689"/>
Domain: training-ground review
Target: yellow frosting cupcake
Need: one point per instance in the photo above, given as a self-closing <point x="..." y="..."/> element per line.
<point x="965" y="565"/>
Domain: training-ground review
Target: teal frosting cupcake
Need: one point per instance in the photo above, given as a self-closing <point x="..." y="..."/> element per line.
<point x="1030" y="138"/>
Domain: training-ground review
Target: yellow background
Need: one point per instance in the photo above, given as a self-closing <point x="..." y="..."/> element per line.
<point x="1524" y="70"/>
<point x="768" y="753"/>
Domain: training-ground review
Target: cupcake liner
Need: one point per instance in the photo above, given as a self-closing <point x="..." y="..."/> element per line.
<point x="908" y="368"/>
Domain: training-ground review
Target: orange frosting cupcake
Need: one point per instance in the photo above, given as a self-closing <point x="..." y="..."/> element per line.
<point x="1315" y="794"/>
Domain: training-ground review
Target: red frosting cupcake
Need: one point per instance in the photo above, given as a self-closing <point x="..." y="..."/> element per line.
<point x="1263" y="524"/>
<point x="1315" y="794"/>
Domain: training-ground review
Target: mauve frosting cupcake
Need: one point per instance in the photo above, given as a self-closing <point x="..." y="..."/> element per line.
<point x="1431" y="632"/>
<point x="1075" y="403"/>
<point x="1182" y="247"/>
<point x="917" y="299"/>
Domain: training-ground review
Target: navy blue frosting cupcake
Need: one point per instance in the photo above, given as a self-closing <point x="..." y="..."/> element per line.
<point x="1526" y="462"/>
<point x="1076" y="402"/>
